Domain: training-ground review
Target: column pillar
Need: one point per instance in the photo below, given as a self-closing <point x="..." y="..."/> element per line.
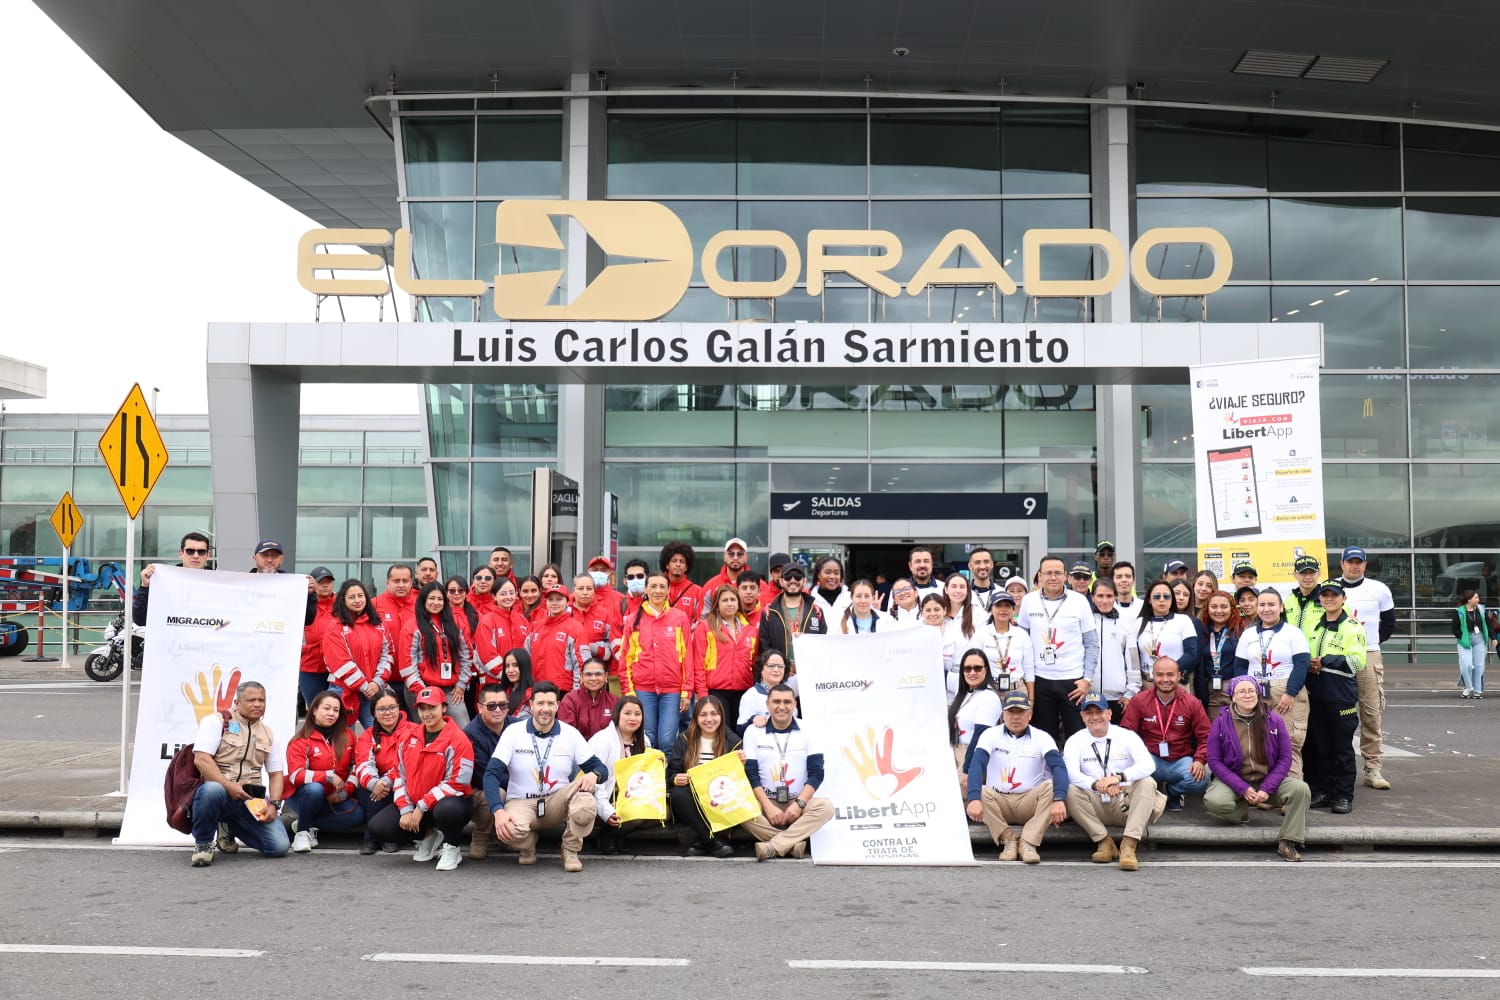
<point x="580" y="425"/>
<point x="254" y="419"/>
<point x="1117" y="413"/>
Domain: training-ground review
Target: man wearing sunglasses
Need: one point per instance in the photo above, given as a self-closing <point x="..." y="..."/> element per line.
<point x="192" y="553"/>
<point x="484" y="732"/>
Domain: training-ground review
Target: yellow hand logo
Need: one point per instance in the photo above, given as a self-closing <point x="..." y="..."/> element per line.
<point x="871" y="758"/>
<point x="209" y="700"/>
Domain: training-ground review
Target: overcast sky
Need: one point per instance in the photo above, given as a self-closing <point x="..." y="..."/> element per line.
<point x="111" y="273"/>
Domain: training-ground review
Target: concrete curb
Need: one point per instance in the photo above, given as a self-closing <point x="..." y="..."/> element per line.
<point x="1172" y="835"/>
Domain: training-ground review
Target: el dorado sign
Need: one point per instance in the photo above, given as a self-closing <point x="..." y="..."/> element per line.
<point x="651" y="285"/>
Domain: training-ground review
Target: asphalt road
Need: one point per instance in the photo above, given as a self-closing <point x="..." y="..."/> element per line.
<point x="1427" y="723"/>
<point x="728" y="928"/>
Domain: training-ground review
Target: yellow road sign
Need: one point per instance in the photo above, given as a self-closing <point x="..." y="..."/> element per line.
<point x="133" y="451"/>
<point x="67" y="520"/>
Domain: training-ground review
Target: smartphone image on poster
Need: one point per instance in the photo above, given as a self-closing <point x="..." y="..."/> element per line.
<point x="1231" y="479"/>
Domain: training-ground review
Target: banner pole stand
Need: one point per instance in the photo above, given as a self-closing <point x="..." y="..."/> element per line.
<point x="129" y="593"/>
<point x="65" y="568"/>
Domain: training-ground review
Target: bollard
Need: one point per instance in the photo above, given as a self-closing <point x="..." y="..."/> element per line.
<point x="38" y="657"/>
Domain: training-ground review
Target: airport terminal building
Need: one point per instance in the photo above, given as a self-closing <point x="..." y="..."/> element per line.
<point x="1348" y="157"/>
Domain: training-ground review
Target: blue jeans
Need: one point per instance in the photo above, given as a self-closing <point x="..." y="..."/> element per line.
<point x="314" y="811"/>
<point x="662" y="712"/>
<point x="1471" y="665"/>
<point x="1175" y="778"/>
<point x="310" y="686"/>
<point x="212" y="806"/>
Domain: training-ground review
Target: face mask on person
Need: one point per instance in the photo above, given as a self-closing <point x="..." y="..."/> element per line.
<point x="600" y="579"/>
<point x="635" y="587"/>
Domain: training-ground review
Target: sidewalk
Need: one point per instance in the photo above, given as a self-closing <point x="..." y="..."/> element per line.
<point x="1433" y="802"/>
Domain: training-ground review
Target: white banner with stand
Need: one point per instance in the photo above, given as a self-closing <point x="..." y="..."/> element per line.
<point x="876" y="706"/>
<point x="208" y="632"/>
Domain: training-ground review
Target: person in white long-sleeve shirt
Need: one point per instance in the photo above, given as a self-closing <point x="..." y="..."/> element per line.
<point x="1110" y="783"/>
<point x="1119" y="680"/>
<point x="1065" y="644"/>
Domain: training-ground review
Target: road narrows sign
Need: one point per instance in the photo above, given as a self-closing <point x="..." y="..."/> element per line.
<point x="133" y="451"/>
<point x="67" y="521"/>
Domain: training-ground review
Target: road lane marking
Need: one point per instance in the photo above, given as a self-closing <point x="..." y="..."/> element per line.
<point x="87" y="949"/>
<point x="1102" y="970"/>
<point x="454" y="959"/>
<point x="1294" y="971"/>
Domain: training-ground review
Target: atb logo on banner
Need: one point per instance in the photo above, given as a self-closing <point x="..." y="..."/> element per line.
<point x="209" y="632"/>
<point x="877" y="704"/>
<point x="1258" y="449"/>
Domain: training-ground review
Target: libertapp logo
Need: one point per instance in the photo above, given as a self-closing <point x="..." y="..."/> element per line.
<point x="644" y="230"/>
<point x="208" y="700"/>
<point x="873" y="761"/>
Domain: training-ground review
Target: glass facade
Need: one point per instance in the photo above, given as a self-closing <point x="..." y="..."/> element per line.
<point x="1377" y="230"/>
<point x="361" y="492"/>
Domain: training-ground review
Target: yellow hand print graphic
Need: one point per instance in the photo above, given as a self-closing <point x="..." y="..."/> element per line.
<point x="872" y="762"/>
<point x="208" y="700"/>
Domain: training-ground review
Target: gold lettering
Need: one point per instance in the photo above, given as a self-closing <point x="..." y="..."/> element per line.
<point x="864" y="269"/>
<point x="309" y="261"/>
<point x="1191" y="287"/>
<point x="771" y="238"/>
<point x="457" y="288"/>
<point x="987" y="270"/>
<point x="1031" y="262"/>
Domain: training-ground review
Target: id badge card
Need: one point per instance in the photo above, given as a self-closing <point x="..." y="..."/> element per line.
<point x="1265" y="688"/>
<point x="1161" y="749"/>
<point x="541" y="808"/>
<point x="1004" y="679"/>
<point x="445" y="670"/>
<point x="1049" y="654"/>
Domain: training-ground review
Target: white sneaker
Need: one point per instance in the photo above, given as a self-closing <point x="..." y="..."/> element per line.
<point x="312" y="834"/>
<point x="427" y="847"/>
<point x="302" y="843"/>
<point x="450" y="859"/>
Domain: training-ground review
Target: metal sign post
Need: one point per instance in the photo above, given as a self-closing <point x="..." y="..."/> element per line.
<point x="135" y="456"/>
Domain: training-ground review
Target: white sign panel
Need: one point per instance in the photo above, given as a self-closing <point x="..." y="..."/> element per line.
<point x="207" y="632"/>
<point x="876" y="704"/>
<point x="1258" y="448"/>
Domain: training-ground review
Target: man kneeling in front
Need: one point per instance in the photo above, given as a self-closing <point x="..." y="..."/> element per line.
<point x="1110" y="783"/>
<point x="1016" y="775"/>
<point x="230" y="756"/>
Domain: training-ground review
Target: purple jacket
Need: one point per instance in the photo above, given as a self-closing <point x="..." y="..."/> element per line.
<point x="1225" y="757"/>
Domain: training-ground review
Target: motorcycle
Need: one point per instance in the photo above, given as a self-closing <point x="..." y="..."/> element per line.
<point x="107" y="660"/>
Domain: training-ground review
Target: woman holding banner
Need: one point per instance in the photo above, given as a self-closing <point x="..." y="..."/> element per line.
<point x="708" y="737"/>
<point x="624" y="737"/>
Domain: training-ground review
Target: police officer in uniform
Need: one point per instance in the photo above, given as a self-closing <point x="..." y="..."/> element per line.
<point x="1302" y="607"/>
<point x="1338" y="657"/>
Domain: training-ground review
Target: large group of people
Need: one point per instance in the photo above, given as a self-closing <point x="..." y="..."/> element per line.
<point x="487" y="706"/>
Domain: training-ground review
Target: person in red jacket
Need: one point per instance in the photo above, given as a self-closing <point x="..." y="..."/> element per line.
<point x="375" y="760"/>
<point x="558" y="644"/>
<point x="399" y="602"/>
<point x="515" y="622"/>
<point x="600" y="623"/>
<point x="601" y="571"/>
<point x="735" y="558"/>
<point x="501" y="565"/>
<point x="656" y="668"/>
<point x="677" y="562"/>
<point x="312" y="676"/>
<point x="1174" y="727"/>
<point x="589" y="707"/>
<point x="497" y="635"/>
<point x="434" y="775"/>
<point x="433" y="653"/>
<point x="482" y="590"/>
<point x="752" y="588"/>
<point x="319" y="765"/>
<point x="357" y="651"/>
<point x="724" y="647"/>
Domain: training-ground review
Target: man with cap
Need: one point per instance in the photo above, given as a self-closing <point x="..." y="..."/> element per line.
<point x="790" y="615"/>
<point x="1104" y="559"/>
<point x="1370" y="603"/>
<point x="1175" y="569"/>
<point x="1302" y="608"/>
<point x="735" y="560"/>
<point x="1339" y="647"/>
<point x="602" y="571"/>
<point x="1243" y="575"/>
<point x="312" y="677"/>
<point x="1109" y="771"/>
<point x="1080" y="577"/>
<point x="774" y="565"/>
<point x="268" y="557"/>
<point x="1017" y="775"/>
<point x="559" y="643"/>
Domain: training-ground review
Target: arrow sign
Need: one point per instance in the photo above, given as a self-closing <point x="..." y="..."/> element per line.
<point x="133" y="451"/>
<point x="67" y="521"/>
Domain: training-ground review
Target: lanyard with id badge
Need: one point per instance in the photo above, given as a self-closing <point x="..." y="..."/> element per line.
<point x="1216" y="643"/>
<point x="541" y="770"/>
<point x="1263" y="679"/>
<point x="783" y="794"/>
<point x="1049" y="647"/>
<point x="1002" y="678"/>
